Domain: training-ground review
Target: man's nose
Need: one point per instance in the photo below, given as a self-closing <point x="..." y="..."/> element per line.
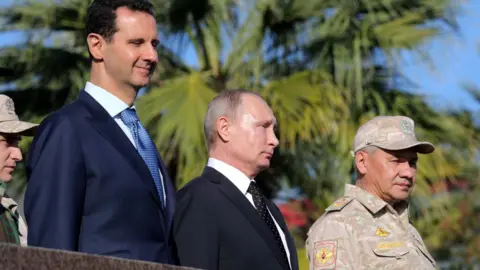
<point x="150" y="54"/>
<point x="16" y="154"/>
<point x="408" y="171"/>
<point x="274" y="140"/>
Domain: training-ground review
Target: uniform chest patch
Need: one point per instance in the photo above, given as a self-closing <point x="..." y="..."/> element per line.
<point x="325" y="254"/>
<point x="382" y="232"/>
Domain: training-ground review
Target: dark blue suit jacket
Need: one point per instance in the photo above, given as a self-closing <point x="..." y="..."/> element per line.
<point x="90" y="191"/>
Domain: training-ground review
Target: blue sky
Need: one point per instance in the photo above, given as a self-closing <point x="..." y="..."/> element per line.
<point x="456" y="60"/>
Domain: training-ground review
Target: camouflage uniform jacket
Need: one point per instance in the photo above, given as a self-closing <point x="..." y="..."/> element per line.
<point x="361" y="231"/>
<point x="12" y="227"/>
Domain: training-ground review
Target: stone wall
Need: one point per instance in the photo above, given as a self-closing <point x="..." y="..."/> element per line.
<point x="16" y="258"/>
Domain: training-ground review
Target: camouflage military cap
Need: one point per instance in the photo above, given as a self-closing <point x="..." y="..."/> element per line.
<point x="390" y="133"/>
<point x="9" y="122"/>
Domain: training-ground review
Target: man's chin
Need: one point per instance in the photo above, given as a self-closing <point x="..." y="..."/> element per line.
<point x="139" y="86"/>
<point x="140" y="83"/>
<point x="6" y="178"/>
<point x="402" y="196"/>
<point x="264" y="166"/>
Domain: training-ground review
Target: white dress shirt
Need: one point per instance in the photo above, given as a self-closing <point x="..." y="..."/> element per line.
<point x="114" y="106"/>
<point x="242" y="182"/>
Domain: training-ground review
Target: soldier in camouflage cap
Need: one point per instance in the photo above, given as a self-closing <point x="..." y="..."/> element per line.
<point x="369" y="227"/>
<point x="12" y="227"/>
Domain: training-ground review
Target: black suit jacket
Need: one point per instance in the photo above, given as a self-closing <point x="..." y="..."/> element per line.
<point x="216" y="227"/>
<point x="90" y="191"/>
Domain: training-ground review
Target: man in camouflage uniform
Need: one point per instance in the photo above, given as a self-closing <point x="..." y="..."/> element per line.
<point x="12" y="227"/>
<point x="369" y="227"/>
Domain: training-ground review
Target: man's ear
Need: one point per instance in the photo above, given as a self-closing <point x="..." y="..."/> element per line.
<point x="96" y="44"/>
<point x="223" y="128"/>
<point x="361" y="161"/>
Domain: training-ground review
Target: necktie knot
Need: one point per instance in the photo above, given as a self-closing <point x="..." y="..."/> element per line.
<point x="254" y="189"/>
<point x="129" y="116"/>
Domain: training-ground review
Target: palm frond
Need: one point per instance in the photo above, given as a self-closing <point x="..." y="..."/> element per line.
<point x="174" y="114"/>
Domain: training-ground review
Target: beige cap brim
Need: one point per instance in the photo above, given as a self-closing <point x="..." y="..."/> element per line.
<point x="419" y="147"/>
<point x="18" y="127"/>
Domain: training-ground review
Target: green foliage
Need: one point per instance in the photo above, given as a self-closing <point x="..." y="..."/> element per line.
<point x="325" y="67"/>
<point x="174" y="114"/>
<point x="302" y="259"/>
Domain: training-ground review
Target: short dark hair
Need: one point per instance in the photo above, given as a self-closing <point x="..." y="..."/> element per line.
<point x="101" y="15"/>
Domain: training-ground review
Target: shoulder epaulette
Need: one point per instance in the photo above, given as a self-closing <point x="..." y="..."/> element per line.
<point x="339" y="204"/>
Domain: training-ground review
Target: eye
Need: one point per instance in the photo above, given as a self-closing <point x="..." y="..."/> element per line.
<point x="137" y="42"/>
<point x="13" y="141"/>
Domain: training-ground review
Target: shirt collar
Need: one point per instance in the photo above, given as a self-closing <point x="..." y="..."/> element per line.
<point x="112" y="104"/>
<point x="2" y="188"/>
<point x="373" y="203"/>
<point x="238" y="178"/>
<point x="370" y="201"/>
<point x="7" y="202"/>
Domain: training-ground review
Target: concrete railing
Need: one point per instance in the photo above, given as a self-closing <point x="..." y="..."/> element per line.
<point x="18" y="258"/>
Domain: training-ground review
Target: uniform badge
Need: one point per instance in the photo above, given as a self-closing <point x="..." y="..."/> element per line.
<point x="389" y="245"/>
<point x="382" y="232"/>
<point x="10" y="106"/>
<point x="339" y="202"/>
<point x="406" y="126"/>
<point x="325" y="254"/>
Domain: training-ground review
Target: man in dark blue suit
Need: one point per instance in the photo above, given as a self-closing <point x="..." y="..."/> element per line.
<point x="96" y="181"/>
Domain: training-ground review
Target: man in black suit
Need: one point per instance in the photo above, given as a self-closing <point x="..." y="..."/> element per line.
<point x="222" y="221"/>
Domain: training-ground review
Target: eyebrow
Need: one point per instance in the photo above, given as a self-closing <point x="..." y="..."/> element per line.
<point x="269" y="122"/>
<point x="155" y="40"/>
<point x="409" y="157"/>
<point x="136" y="40"/>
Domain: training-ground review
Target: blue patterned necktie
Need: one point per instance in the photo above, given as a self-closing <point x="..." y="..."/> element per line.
<point x="145" y="148"/>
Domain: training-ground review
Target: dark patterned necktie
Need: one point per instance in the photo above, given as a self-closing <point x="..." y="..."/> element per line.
<point x="263" y="212"/>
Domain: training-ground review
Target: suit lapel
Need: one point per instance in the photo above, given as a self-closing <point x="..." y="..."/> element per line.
<point x="247" y="209"/>
<point x="170" y="196"/>
<point x="106" y="126"/>
<point x="281" y="222"/>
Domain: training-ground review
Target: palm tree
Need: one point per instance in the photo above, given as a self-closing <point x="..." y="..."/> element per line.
<point x="325" y="67"/>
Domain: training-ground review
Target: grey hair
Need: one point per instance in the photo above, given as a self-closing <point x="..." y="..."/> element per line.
<point x="370" y="150"/>
<point x="227" y="104"/>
